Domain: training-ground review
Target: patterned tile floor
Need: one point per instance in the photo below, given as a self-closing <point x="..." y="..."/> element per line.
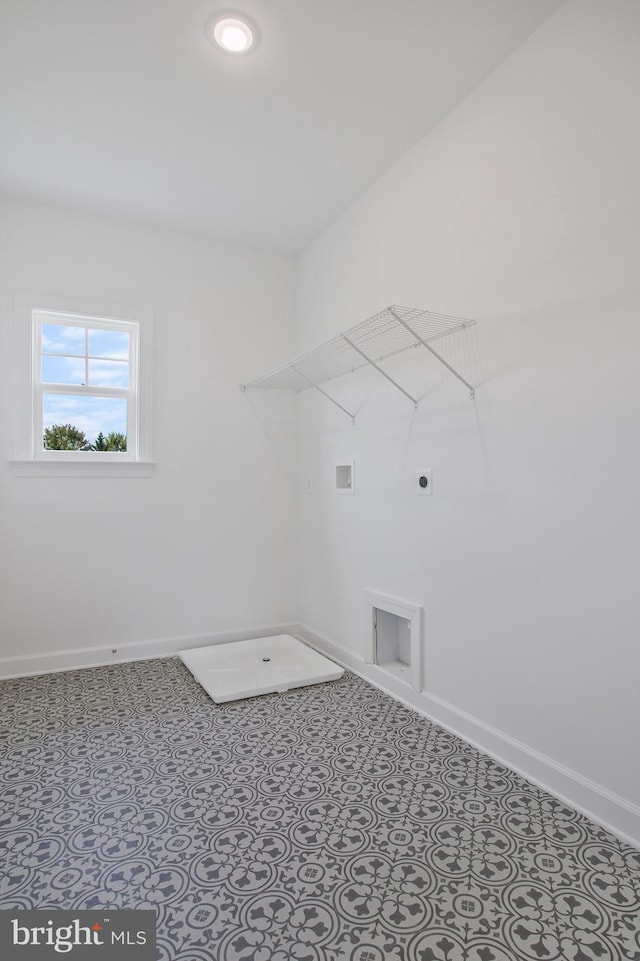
<point x="326" y="824"/>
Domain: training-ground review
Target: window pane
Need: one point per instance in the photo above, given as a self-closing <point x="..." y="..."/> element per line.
<point x="108" y="373"/>
<point x="109" y="343"/>
<point x="62" y="370"/>
<point x="70" y="422"/>
<point x="62" y="340"/>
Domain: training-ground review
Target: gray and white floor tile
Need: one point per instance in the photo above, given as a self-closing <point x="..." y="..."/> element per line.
<point x="326" y="824"/>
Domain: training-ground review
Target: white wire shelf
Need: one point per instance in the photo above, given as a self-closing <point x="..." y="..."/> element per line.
<point x="368" y="344"/>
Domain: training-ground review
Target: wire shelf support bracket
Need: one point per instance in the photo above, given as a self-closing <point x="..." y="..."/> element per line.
<point x="324" y="394"/>
<point x="384" y="335"/>
<point x="435" y="353"/>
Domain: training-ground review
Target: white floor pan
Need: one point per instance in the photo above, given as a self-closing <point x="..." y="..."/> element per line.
<point x="259" y="665"/>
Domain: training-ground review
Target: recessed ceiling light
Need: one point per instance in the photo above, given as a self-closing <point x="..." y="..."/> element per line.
<point x="233" y="34"/>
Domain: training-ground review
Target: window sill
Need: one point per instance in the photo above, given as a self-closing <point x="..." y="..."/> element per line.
<point x="76" y="468"/>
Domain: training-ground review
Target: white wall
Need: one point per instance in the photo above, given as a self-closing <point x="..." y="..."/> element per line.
<point x="520" y="210"/>
<point x="206" y="545"/>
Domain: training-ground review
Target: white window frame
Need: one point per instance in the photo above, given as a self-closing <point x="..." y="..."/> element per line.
<point x="30" y="458"/>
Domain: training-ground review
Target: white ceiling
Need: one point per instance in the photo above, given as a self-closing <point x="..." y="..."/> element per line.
<point x="123" y="106"/>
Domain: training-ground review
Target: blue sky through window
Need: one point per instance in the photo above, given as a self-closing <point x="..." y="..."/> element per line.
<point x="84" y="356"/>
<point x="62" y="370"/>
<point x="62" y="340"/>
<point x="89" y="414"/>
<point x="109" y="343"/>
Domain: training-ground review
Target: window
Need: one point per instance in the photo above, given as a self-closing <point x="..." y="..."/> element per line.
<point x="86" y="406"/>
<point x="85" y="385"/>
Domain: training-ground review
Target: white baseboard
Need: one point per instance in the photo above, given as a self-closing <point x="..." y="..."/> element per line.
<point x="609" y="810"/>
<point x="70" y="660"/>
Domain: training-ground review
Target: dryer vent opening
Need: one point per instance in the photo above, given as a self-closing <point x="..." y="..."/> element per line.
<point x="392" y="637"/>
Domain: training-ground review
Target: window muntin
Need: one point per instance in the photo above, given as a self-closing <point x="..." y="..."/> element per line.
<point x="85" y="356"/>
<point x="85" y="377"/>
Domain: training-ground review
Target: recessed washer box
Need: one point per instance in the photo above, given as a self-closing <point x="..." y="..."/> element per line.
<point x="345" y="478"/>
<point x="258" y="665"/>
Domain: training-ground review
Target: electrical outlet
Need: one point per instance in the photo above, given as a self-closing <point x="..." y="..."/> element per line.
<point x="424" y="481"/>
<point x="309" y="483"/>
